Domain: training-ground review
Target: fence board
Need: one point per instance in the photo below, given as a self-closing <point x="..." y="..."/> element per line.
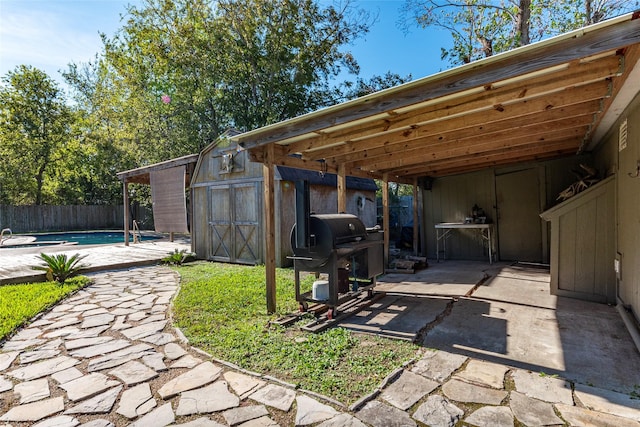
<point x="30" y="219"/>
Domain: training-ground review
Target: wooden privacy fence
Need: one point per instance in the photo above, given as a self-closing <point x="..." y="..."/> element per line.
<point x="25" y="219"/>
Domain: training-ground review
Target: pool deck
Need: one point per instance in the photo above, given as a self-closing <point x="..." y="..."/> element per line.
<point x="16" y="263"/>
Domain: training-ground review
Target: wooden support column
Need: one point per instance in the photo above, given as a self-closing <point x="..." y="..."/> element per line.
<point x="125" y="196"/>
<point x="270" y="227"/>
<point x="385" y="217"/>
<point x="342" y="188"/>
<point x="416" y="219"/>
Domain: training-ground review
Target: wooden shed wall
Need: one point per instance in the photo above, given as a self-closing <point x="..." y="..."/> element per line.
<point x="623" y="162"/>
<point x="452" y="198"/>
<point x="583" y="244"/>
<point x="214" y="192"/>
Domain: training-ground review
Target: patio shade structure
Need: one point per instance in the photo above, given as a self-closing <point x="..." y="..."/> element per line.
<point x="543" y="101"/>
<point x="142" y="175"/>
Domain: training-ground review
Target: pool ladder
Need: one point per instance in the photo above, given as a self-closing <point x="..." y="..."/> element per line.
<point x="2" y="238"/>
<point x="137" y="238"/>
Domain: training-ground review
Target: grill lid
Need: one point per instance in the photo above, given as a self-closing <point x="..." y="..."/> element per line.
<point x="327" y="231"/>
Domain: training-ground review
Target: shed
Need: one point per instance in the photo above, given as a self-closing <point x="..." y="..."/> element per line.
<point x="227" y="199"/>
<point x="503" y="133"/>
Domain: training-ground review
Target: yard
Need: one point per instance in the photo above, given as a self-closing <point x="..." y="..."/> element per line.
<point x="221" y="309"/>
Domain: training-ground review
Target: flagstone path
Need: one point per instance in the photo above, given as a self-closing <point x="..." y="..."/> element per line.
<point x="108" y="356"/>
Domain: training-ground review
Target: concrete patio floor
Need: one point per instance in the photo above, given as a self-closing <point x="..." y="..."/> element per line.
<point x="504" y="313"/>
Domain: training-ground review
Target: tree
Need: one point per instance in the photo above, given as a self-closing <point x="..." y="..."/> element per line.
<point x="481" y="28"/>
<point x="362" y="87"/>
<point x="35" y="124"/>
<point x="186" y="71"/>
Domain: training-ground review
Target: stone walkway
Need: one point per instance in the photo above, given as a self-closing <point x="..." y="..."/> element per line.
<point x="108" y="356"/>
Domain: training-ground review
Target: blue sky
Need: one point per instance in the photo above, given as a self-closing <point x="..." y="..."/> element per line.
<point x="49" y="34"/>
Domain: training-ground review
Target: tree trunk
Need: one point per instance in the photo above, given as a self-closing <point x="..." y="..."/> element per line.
<point x="524" y="22"/>
<point x="39" y="181"/>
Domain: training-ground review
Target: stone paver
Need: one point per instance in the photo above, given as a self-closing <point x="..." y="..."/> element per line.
<point x="31" y="391"/>
<point x="109" y="357"/>
<point x="276" y="396"/>
<point x="438" y="365"/>
<point x="310" y="411"/>
<point x="202" y="374"/>
<point x="483" y="373"/>
<point x="404" y="392"/>
<point x="34" y="411"/>
<point x="491" y="416"/>
<point x="532" y="411"/>
<point x="212" y="398"/>
<point x="243" y="414"/>
<point x="380" y="414"/>
<point x="543" y="387"/>
<point x="136" y="401"/>
<point x="87" y="386"/>
<point x="438" y="411"/>
<point x="461" y="391"/>
<point x="133" y="372"/>
<point x="608" y="401"/>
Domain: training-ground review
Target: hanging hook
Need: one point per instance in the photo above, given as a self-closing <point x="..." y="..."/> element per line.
<point x="637" y="174"/>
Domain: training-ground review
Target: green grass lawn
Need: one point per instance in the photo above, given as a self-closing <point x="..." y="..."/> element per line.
<point x="19" y="303"/>
<point x="221" y="308"/>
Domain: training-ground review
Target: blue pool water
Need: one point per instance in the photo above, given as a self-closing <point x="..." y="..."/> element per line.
<point x="89" y="237"/>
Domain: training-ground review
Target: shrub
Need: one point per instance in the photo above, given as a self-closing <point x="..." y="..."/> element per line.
<point x="179" y="257"/>
<point x="59" y="267"/>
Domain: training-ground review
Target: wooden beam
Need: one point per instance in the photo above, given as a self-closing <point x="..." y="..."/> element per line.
<point x="582" y="75"/>
<point x="125" y="200"/>
<point x="385" y="217"/>
<point x="502" y="140"/>
<point x="530" y="59"/>
<point x="502" y="118"/>
<point x="458" y="165"/>
<point x="416" y="221"/>
<point x="342" y="188"/>
<point x="270" y="227"/>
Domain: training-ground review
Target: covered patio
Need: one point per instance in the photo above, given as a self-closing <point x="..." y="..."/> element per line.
<point x="551" y="100"/>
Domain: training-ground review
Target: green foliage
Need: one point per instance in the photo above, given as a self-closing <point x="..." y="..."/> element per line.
<point x="59" y="267"/>
<point x="482" y="28"/>
<point x="20" y="303"/>
<point x="178" y="257"/>
<point x="182" y="72"/>
<point x="363" y="87"/>
<point x="34" y="128"/>
<point x="222" y="309"/>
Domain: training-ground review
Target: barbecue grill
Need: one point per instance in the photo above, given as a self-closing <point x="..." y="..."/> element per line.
<point x="337" y="245"/>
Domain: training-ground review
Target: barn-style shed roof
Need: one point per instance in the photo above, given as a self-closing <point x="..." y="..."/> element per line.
<point x="546" y="100"/>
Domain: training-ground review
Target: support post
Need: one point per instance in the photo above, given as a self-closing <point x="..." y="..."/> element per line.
<point x="125" y="195"/>
<point x="416" y="219"/>
<point x="270" y="227"/>
<point x="342" y="188"/>
<point x="385" y="217"/>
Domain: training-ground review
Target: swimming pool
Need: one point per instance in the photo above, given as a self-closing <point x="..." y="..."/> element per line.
<point x="79" y="238"/>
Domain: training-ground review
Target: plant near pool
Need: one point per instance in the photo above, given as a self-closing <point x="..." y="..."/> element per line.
<point x="178" y="257"/>
<point x="222" y="309"/>
<point x="59" y="267"/>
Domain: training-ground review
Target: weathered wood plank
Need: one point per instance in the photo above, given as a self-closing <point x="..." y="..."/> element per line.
<point x="270" y="228"/>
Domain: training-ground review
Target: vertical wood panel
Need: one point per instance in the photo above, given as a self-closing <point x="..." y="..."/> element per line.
<point x="270" y="225"/>
<point x="567" y="252"/>
<point x="586" y="244"/>
<point x="342" y="188"/>
<point x="416" y="221"/>
<point x="385" y="217"/>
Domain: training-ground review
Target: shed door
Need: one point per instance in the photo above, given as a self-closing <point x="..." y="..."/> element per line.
<point x="234" y="223"/>
<point x="519" y="223"/>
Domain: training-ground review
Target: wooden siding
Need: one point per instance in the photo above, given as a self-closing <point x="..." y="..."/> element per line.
<point x="452" y="198"/>
<point x="25" y="219"/>
<point x="627" y="191"/>
<point x="228" y="210"/>
<point x="583" y="244"/>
